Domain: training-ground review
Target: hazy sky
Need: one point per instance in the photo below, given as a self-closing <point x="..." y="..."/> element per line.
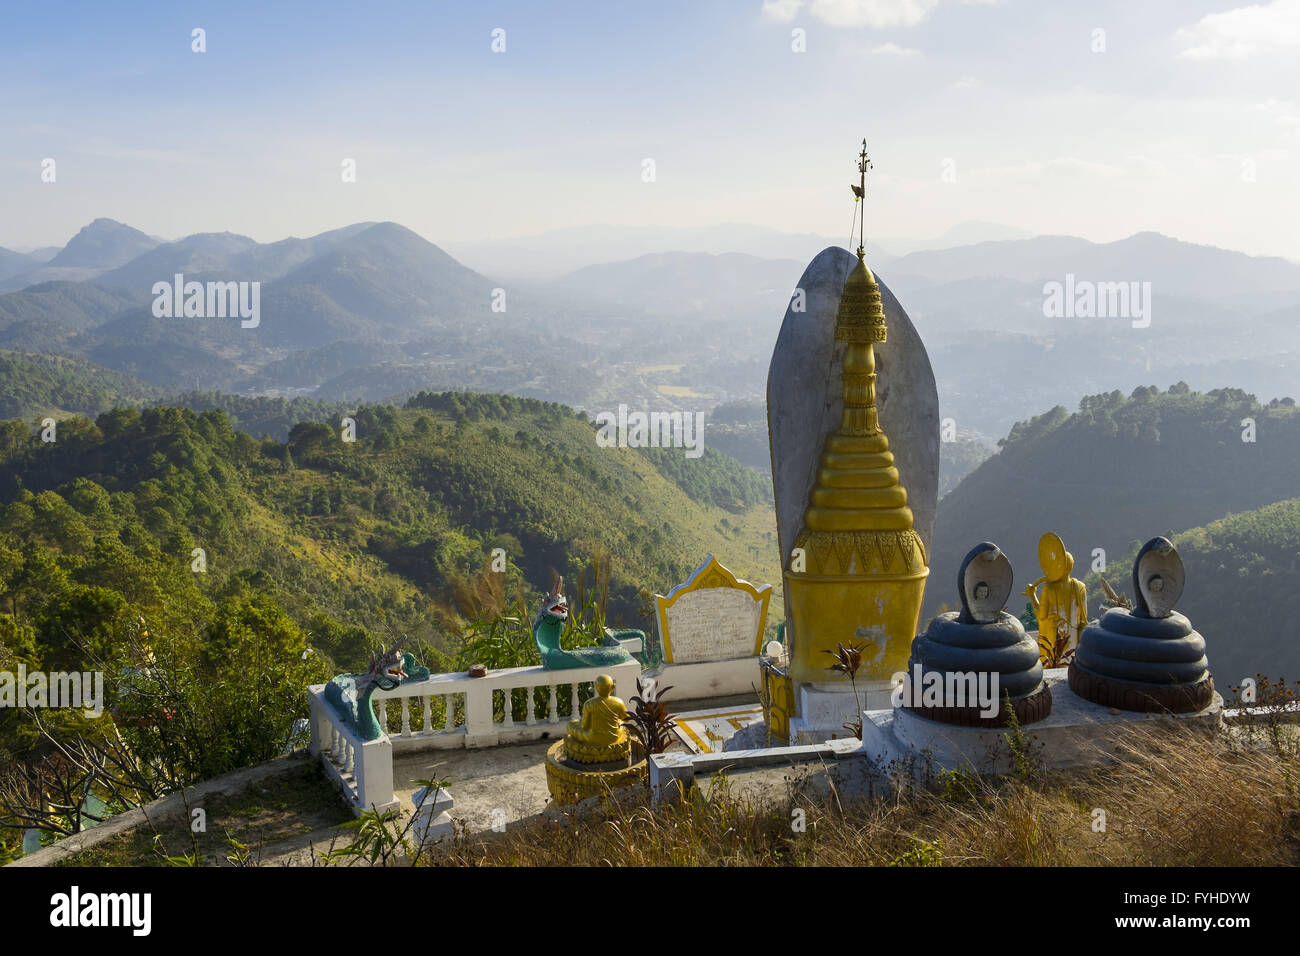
<point x="1162" y="130"/>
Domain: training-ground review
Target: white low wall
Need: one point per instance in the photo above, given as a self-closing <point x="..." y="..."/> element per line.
<point x="364" y="770"/>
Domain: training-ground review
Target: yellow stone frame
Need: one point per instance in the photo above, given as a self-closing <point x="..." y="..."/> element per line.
<point x="709" y="575"/>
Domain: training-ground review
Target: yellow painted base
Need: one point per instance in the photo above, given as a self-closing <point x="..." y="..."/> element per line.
<point x="826" y="610"/>
<point x="569" y="784"/>
<point x="778" y="704"/>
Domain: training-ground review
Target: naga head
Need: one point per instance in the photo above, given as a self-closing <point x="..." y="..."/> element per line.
<point x="387" y="668"/>
<point x="555" y="609"/>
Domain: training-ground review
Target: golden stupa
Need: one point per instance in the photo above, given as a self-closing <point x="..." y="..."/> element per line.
<point x="857" y="572"/>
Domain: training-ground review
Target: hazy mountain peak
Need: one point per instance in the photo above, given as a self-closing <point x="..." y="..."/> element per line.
<point x="392" y="230"/>
<point x="103" y="244"/>
<point x="401" y="245"/>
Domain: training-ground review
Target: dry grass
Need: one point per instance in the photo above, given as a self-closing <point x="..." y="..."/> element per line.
<point x="1178" y="798"/>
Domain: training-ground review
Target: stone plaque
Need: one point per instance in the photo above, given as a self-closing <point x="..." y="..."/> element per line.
<point x="712" y="616"/>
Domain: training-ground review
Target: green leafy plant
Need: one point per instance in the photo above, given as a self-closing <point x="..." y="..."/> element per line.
<point x="381" y="838"/>
<point x="377" y="840"/>
<point x="960" y="785"/>
<point x="240" y="855"/>
<point x="1021" y="761"/>
<point x="183" y="859"/>
<point x="498" y="640"/>
<point x="922" y="853"/>
<point x="1029" y="619"/>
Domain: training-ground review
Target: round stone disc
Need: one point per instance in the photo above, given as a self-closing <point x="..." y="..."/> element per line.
<point x="1158" y="578"/>
<point x="1052" y="556"/>
<point x="985" y="583"/>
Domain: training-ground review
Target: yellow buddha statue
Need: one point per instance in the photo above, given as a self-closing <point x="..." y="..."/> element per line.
<point x="599" y="737"/>
<point x="1062" y="608"/>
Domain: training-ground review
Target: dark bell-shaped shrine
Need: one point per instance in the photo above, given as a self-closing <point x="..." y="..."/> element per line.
<point x="980" y="644"/>
<point x="1149" y="658"/>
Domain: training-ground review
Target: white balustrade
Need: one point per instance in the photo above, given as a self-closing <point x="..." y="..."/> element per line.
<point x="364" y="769"/>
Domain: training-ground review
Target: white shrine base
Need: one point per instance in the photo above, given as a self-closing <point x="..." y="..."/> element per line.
<point x="824" y="709"/>
<point x="705" y="679"/>
<point x="1077" y="733"/>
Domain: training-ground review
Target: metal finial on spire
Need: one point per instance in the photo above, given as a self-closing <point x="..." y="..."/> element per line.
<point x="859" y="196"/>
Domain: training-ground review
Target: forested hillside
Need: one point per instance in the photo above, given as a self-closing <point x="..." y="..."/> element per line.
<point x="260" y="415"/>
<point x="37" y="385"/>
<point x="390" y="529"/>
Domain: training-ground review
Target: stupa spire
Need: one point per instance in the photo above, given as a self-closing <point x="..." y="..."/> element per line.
<point x="860" y="197"/>
<point x="857" y="520"/>
<point x="854" y="554"/>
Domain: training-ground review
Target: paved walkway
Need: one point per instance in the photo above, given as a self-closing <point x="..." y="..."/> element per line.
<point x="503" y="784"/>
<point x="493" y="785"/>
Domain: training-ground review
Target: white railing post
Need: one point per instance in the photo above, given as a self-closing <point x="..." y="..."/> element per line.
<point x="555" y="710"/>
<point x="479" y="726"/>
<point x="319" y="722"/>
<point x="531" y="697"/>
<point x="374" y="775"/>
<point x="625" y="676"/>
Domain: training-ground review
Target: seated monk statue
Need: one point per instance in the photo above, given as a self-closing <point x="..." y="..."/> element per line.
<point x="599" y="737"/>
<point x="1062" y="609"/>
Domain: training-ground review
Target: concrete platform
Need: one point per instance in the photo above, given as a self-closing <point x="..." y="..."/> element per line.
<point x="1078" y="733"/>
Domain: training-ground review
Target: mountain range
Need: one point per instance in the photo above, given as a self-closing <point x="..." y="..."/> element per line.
<point x="372" y="310"/>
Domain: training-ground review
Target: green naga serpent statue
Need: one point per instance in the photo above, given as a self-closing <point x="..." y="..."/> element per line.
<point x="549" y="625"/>
<point x="350" y="694"/>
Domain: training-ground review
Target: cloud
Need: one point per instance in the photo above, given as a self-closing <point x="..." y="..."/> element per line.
<point x="893" y="49"/>
<point x="1242" y="32"/>
<point x="782" y="11"/>
<point x="873" y="14"/>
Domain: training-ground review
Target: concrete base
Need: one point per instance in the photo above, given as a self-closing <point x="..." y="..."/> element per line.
<point x="435" y="829"/>
<point x="824" y="709"/>
<point x="1078" y="733"/>
<point x="707" y="679"/>
<point x="433" y="816"/>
